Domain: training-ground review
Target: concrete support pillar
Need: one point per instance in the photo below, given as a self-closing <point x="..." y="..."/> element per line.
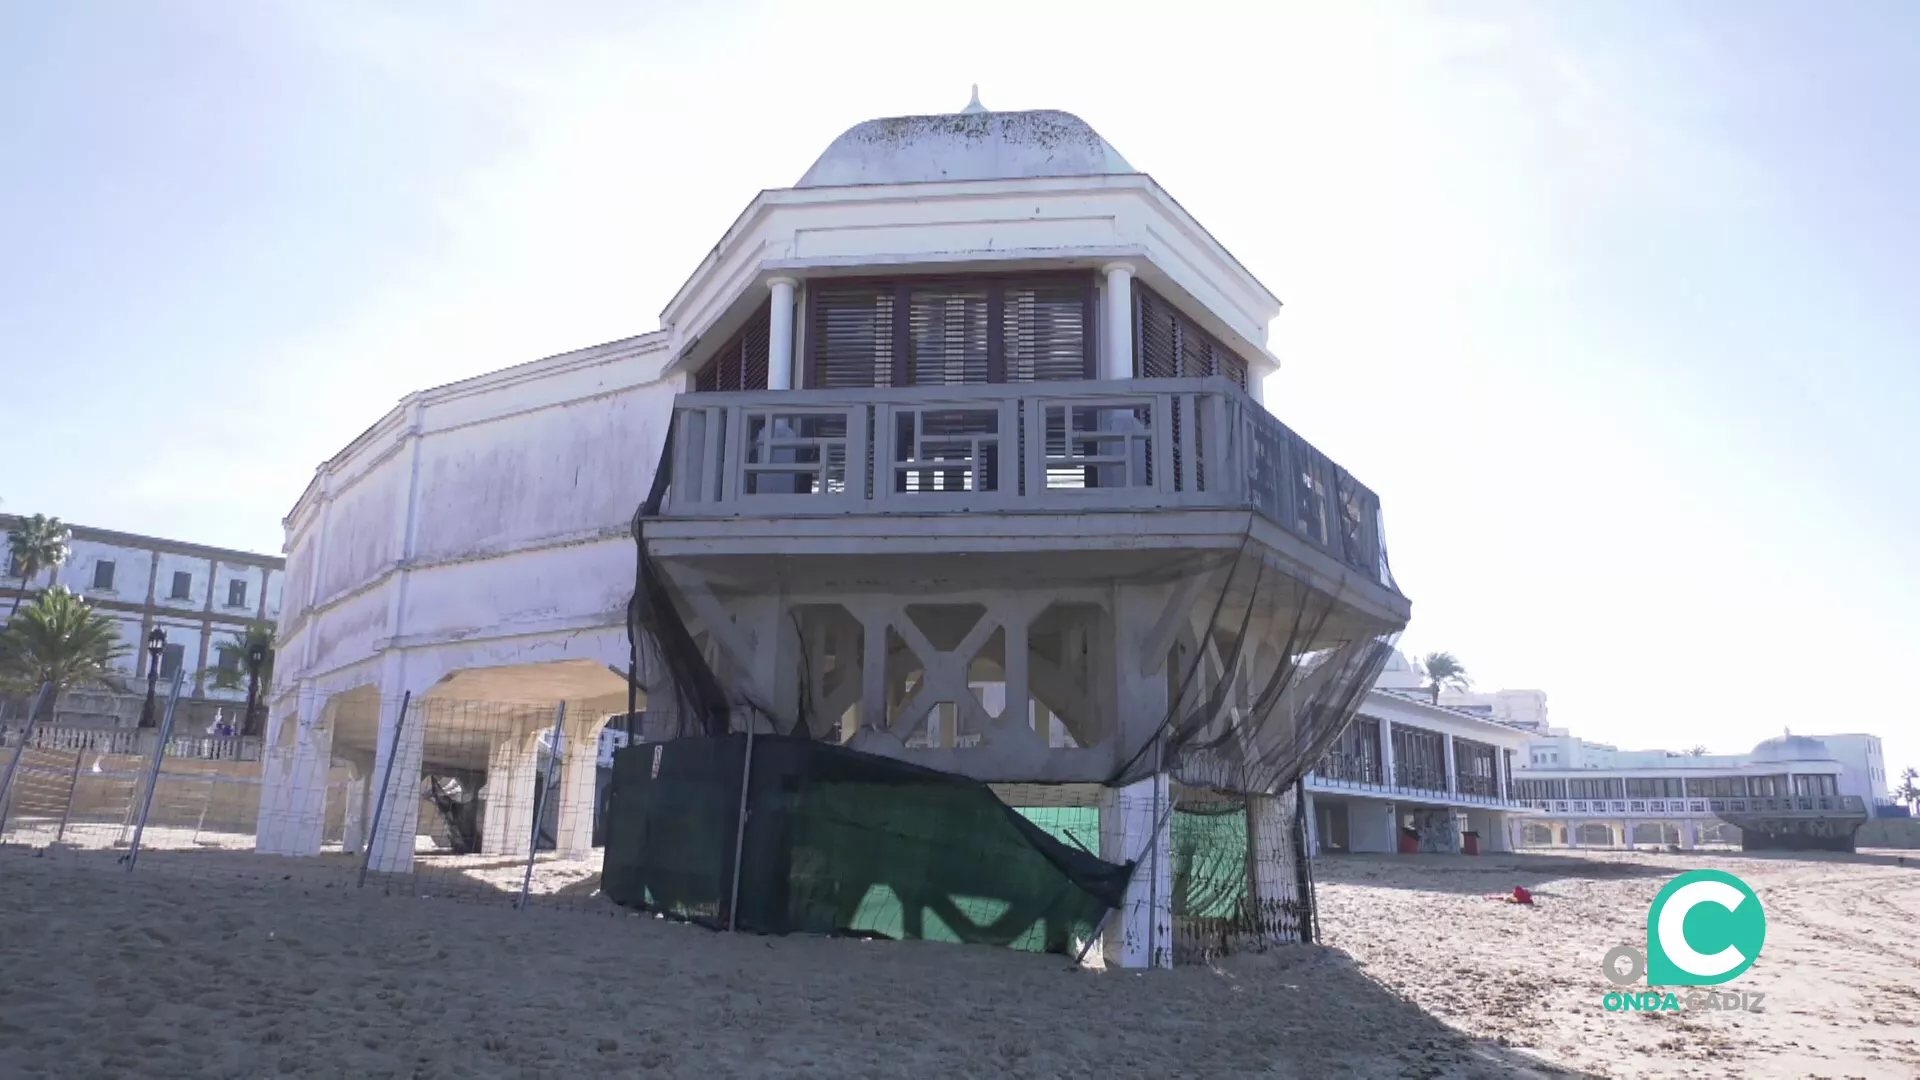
<point x="780" y="334"/>
<point x="1573" y="834"/>
<point x="1453" y="782"/>
<point x="293" y="798"/>
<point x="1140" y="934"/>
<point x="353" y="839"/>
<point x="1119" y="321"/>
<point x="579" y="768"/>
<point x="506" y="823"/>
<point x="1271" y="857"/>
<point x="1386" y="755"/>
<point x="396" y="766"/>
<point x="1628" y="834"/>
<point x="1689" y="834"/>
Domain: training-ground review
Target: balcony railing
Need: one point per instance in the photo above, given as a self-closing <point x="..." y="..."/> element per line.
<point x="1351" y="769"/>
<point x="1052" y="447"/>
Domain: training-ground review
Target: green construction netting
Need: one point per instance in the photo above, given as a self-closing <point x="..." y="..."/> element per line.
<point x="840" y="842"/>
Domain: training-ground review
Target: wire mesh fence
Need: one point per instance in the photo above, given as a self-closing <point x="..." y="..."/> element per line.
<point x="510" y="803"/>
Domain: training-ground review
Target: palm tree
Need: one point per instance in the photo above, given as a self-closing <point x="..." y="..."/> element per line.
<point x="1697" y="750"/>
<point x="1909" y="790"/>
<point x="37" y="543"/>
<point x="1442" y="669"/>
<point x="255" y="648"/>
<point x="62" y="642"/>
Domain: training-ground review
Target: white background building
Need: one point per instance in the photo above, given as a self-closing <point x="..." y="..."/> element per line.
<point x="199" y="595"/>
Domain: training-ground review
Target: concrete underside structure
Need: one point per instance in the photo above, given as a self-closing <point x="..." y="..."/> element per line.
<point x="969" y="467"/>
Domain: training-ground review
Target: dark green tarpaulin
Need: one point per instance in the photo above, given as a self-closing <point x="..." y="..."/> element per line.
<point x="841" y="842"/>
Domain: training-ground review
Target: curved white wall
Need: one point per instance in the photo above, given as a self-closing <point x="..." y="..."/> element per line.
<point x="478" y="524"/>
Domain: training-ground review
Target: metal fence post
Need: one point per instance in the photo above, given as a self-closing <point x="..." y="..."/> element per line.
<point x="153" y="772"/>
<point x="540" y="802"/>
<point x="26" y="736"/>
<point x="73" y="785"/>
<point x="1303" y="864"/>
<point x="380" y="802"/>
<point x="740" y="829"/>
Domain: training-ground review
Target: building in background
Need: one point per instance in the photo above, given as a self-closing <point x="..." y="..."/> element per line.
<point x="1411" y="776"/>
<point x="201" y="596"/>
<point x="1523" y="709"/>
<point x="1789" y="791"/>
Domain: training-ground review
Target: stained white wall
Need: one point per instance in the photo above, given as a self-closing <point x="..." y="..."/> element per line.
<point x="481" y="524"/>
<point x="132" y="569"/>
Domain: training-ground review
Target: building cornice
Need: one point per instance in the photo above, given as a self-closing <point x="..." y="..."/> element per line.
<point x="160" y="544"/>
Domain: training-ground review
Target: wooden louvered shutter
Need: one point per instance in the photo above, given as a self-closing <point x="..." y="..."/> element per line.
<point x="851" y="336"/>
<point x="1044" y="330"/>
<point x="1156" y="331"/>
<point x="740" y="364"/>
<point x="947" y="334"/>
<point x="1168" y="345"/>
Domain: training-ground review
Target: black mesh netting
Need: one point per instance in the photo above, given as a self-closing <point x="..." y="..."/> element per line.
<point x="843" y="842"/>
<point x="840" y="842"/>
<point x="1268" y="687"/>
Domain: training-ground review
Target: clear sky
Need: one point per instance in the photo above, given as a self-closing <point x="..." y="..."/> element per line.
<point x="1616" y="305"/>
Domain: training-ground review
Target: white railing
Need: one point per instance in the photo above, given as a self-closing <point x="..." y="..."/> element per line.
<point x="1052" y="447"/>
<point x="133" y="741"/>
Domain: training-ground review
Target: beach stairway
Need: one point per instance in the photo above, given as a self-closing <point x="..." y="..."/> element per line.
<point x="39" y="794"/>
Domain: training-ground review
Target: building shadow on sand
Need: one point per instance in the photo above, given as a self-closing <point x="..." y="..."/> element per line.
<point x="1356" y="1018"/>
<point x="1483" y="873"/>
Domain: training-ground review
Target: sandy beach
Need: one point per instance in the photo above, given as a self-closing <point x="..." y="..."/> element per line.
<point x="250" y="966"/>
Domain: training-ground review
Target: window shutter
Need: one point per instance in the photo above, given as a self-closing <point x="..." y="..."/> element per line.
<point x="740" y="364"/>
<point x="1169" y="345"/>
<point x="947" y="334"/>
<point x="1157" y="330"/>
<point x="851" y="339"/>
<point x="1044" y="330"/>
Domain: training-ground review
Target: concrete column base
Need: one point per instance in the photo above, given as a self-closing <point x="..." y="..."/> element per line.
<point x="579" y="769"/>
<point x="396" y="766"/>
<point x="1140" y="934"/>
<point x="506" y="822"/>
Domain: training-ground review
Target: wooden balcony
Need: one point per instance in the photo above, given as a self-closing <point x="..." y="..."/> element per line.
<point x="1006" y="468"/>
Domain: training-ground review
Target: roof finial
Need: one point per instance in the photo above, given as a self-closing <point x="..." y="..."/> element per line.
<point x="974" y="105"/>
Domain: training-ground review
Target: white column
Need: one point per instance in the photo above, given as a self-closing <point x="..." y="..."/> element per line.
<point x="293" y="800"/>
<point x="780" y="334"/>
<point x="1689" y="834"/>
<point x="396" y="768"/>
<point x="1386" y="757"/>
<point x="359" y="802"/>
<point x="1269" y="841"/>
<point x="1453" y="785"/>
<point x="1119" y="326"/>
<point x="1140" y="934"/>
<point x="579" y="773"/>
<point x="506" y="822"/>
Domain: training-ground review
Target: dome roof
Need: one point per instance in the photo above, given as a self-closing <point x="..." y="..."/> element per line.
<point x="1791" y="748"/>
<point x="972" y="145"/>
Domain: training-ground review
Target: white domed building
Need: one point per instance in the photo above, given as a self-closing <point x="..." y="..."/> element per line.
<point x="969" y="466"/>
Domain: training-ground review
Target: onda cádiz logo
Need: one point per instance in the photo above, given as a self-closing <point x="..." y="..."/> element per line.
<point x="1704" y="928"/>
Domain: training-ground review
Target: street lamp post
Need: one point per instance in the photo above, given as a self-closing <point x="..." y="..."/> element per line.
<point x="256" y="660"/>
<point x="156" y="645"/>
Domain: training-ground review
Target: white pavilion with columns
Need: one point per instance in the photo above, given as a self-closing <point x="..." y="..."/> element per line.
<point x="967" y="431"/>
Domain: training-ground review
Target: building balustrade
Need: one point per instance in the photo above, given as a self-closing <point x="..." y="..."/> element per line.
<point x="134" y="741"/>
<point x="1050" y="447"/>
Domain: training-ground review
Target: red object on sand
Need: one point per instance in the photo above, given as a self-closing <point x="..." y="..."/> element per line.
<point x="1521" y="895"/>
